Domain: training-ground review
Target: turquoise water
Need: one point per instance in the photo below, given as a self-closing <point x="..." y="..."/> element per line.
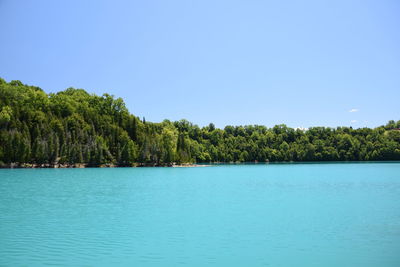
<point x="240" y="215"/>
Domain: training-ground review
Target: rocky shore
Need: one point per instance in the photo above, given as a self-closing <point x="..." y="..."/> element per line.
<point x="84" y="165"/>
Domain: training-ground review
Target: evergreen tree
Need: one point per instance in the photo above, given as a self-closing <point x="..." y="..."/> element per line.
<point x="73" y="126"/>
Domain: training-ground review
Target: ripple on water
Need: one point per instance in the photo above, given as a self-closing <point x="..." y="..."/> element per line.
<point x="275" y="215"/>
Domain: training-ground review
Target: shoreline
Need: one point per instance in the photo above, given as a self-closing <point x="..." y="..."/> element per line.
<point x="84" y="165"/>
<point x="171" y="165"/>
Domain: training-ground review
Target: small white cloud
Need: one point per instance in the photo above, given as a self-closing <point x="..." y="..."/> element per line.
<point x="353" y="110"/>
<point x="353" y="121"/>
<point x="301" y="128"/>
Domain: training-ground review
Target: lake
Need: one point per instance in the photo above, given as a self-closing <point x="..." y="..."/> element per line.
<point x="334" y="214"/>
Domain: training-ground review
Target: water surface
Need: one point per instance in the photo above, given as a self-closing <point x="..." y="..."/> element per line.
<point x="241" y="215"/>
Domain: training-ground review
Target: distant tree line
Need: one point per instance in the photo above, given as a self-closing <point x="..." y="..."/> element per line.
<point x="74" y="126"/>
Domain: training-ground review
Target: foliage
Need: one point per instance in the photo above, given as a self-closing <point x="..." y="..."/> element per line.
<point x="73" y="126"/>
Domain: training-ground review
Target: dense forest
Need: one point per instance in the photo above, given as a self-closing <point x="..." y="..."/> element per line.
<point x="74" y="127"/>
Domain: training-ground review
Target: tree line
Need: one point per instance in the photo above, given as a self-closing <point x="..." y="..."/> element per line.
<point x="73" y="126"/>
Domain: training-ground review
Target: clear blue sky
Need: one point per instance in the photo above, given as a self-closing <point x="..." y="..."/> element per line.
<point x="302" y="63"/>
